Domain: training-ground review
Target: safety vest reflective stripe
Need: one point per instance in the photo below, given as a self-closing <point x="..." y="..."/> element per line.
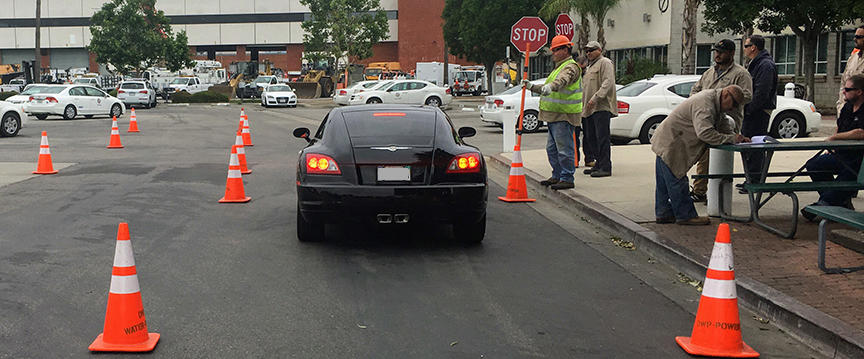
<point x="568" y="92"/>
<point x="566" y="102"/>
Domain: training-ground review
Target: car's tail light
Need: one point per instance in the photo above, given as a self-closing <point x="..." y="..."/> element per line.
<point x="143" y="91"/>
<point x="343" y="92"/>
<point x="499" y="102"/>
<point x="120" y="91"/>
<point x="465" y="163"/>
<point x="31" y="98"/>
<point x="388" y="114"/>
<point x="321" y="165"/>
<point x="51" y="99"/>
<point x="447" y="91"/>
<point x="623" y="107"/>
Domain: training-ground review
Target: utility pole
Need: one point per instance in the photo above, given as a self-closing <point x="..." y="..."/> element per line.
<point x="37" y="65"/>
<point x="446" y="83"/>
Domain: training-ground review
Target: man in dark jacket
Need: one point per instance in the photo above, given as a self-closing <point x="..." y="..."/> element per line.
<point x="757" y="113"/>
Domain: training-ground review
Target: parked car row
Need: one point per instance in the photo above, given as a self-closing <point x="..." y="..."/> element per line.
<point x="68" y="101"/>
<point x="643" y="104"/>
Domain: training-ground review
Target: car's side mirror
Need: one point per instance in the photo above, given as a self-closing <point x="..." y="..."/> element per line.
<point x="467" y="132"/>
<point x="302" y="132"/>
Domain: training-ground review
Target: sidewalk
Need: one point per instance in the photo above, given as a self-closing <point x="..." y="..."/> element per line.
<point x="782" y="275"/>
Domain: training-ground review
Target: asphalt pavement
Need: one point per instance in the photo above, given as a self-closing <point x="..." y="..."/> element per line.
<point x="231" y="280"/>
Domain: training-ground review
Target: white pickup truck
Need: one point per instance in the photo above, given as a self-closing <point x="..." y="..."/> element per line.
<point x="15" y="85"/>
<point x="188" y="84"/>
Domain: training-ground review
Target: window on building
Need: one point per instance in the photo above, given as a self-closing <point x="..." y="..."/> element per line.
<point x="659" y="54"/>
<point x="822" y="54"/>
<point x="703" y="58"/>
<point x="847" y="44"/>
<point x="785" y="54"/>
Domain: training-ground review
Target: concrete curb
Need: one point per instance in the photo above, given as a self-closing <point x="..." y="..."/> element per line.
<point x="818" y="330"/>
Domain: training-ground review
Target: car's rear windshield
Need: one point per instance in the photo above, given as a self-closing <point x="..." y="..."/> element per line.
<point x="32" y="90"/>
<point x="385" y="127"/>
<point x="50" y="90"/>
<point x="635" y="89"/>
<point x="132" y="86"/>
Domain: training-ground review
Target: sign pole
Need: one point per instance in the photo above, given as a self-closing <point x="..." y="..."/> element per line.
<point x="522" y="105"/>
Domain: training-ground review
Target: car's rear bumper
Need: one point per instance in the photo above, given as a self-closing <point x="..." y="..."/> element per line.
<point x="42" y="109"/>
<point x="362" y="204"/>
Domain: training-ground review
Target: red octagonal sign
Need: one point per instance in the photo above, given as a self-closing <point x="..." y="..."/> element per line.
<point x="529" y="33"/>
<point x="564" y="26"/>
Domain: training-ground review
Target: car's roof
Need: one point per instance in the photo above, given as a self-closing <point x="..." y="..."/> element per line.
<point x="382" y="107"/>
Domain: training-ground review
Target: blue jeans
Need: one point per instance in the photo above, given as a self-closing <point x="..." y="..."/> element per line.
<point x="832" y="162"/>
<point x="559" y="149"/>
<point x="672" y="195"/>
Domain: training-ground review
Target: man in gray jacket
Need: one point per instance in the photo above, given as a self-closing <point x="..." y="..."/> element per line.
<point x="600" y="105"/>
<point x="725" y="72"/>
<point x="681" y="139"/>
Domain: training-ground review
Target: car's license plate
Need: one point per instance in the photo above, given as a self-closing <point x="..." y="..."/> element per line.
<point x="394" y="173"/>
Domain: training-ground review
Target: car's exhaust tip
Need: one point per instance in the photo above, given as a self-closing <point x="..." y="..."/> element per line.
<point x="401" y="218"/>
<point x="385" y="218"/>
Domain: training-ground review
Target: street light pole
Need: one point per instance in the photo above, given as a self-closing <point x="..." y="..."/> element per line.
<point x="37" y="64"/>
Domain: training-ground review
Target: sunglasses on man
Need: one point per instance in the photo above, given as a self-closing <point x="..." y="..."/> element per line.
<point x="850" y="89"/>
<point x="857" y="37"/>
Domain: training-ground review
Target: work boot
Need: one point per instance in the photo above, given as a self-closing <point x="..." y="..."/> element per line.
<point x="695" y="221"/>
<point x="664" y="220"/>
<point x="549" y="181"/>
<point x="601" y="173"/>
<point x="588" y="171"/>
<point x="561" y="185"/>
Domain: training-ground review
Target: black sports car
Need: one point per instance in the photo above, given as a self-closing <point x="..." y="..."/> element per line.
<point x="390" y="165"/>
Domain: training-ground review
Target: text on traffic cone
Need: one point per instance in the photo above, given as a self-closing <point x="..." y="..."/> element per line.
<point x="717" y="330"/>
<point x="44" y="165"/>
<point x="125" y="328"/>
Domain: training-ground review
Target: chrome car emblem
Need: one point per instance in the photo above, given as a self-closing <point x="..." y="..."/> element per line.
<point x="391" y="148"/>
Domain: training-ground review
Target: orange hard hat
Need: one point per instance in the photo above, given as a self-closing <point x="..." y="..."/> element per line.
<point x="560" y="40"/>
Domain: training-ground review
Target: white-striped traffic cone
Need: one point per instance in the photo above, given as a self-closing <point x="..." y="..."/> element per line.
<point x="517" y="189"/>
<point x="114" y="141"/>
<point x="234" y="192"/>
<point x="44" y="165"/>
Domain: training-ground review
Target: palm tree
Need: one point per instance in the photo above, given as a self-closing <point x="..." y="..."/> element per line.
<point x="688" y="37"/>
<point x="551" y="8"/>
<point x="598" y="10"/>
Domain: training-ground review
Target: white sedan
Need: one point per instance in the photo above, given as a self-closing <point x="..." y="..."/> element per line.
<point x="278" y="95"/>
<point x="643" y="104"/>
<point x="69" y="101"/>
<point x="413" y="92"/>
<point x="342" y="96"/>
<point x="11" y="116"/>
<point x="496" y="106"/>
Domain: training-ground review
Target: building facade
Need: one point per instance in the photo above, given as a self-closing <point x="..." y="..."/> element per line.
<point x="220" y="30"/>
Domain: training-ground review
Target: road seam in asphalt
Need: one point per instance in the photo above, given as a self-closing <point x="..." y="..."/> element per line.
<point x="820" y="331"/>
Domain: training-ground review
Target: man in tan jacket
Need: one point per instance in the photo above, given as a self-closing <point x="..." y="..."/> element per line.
<point x="600" y="106"/>
<point x="854" y="66"/>
<point x="680" y="141"/>
<point x="725" y="72"/>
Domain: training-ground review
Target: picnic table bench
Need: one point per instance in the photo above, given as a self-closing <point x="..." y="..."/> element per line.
<point x="757" y="187"/>
<point x="840" y="215"/>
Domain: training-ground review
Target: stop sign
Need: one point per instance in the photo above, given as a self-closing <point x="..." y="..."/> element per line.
<point x="564" y="26"/>
<point x="529" y="31"/>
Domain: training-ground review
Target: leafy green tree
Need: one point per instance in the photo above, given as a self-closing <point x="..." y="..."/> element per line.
<point x="737" y="17"/>
<point x="479" y="30"/>
<point x="131" y="35"/>
<point x="343" y="28"/>
<point x="598" y="10"/>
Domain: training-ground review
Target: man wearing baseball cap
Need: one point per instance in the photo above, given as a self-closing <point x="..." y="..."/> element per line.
<point x="725" y="72"/>
<point x="601" y="104"/>
<point x="561" y="109"/>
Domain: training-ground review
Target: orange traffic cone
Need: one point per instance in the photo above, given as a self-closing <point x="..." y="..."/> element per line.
<point x="517" y="190"/>
<point x="44" y="165"/>
<point x="133" y="122"/>
<point x="234" y="192"/>
<point x="125" y="327"/>
<point x="717" y="330"/>
<point x="241" y="154"/>
<point x="114" y="141"/>
<point x="247" y="136"/>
